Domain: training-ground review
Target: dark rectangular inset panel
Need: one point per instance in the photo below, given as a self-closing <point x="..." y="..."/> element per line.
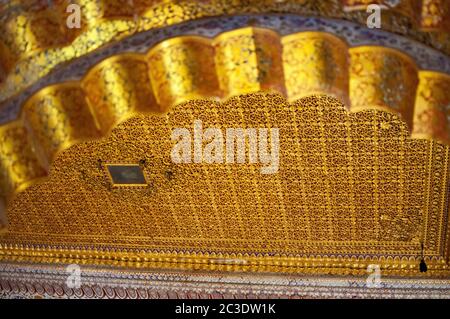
<point x="126" y="175"/>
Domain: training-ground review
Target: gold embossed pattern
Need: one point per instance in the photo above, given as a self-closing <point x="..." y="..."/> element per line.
<point x="352" y="189"/>
<point x="237" y="62"/>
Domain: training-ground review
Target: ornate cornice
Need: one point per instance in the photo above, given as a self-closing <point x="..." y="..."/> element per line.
<point x="35" y="39"/>
<point x="425" y="57"/>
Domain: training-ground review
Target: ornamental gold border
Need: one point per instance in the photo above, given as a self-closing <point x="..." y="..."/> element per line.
<point x="337" y="265"/>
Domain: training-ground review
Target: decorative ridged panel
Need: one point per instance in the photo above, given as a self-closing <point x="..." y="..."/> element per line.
<point x="116" y="88"/>
<point x="249" y="60"/>
<point x="319" y="62"/>
<point x="432" y="107"/>
<point x="57" y="118"/>
<point x="18" y="160"/>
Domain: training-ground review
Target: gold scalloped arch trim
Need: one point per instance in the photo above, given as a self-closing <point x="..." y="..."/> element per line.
<point x="237" y="62"/>
<point x="35" y="39"/>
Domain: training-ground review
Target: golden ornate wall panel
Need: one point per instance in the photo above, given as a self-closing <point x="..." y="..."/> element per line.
<point x="349" y="186"/>
<point x="87" y="174"/>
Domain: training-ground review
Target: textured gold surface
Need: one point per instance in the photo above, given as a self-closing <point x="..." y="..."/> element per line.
<point x="383" y="78"/>
<point x="237" y="62"/>
<point x="431" y="15"/>
<point x="35" y="40"/>
<point x="249" y="60"/>
<point x="432" y="112"/>
<point x="318" y="61"/>
<point x="352" y="189"/>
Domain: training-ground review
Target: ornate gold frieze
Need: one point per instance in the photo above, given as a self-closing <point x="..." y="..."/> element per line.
<point x="353" y="189"/>
<point x="35" y="38"/>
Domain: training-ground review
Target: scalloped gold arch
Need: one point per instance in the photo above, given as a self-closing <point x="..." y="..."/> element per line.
<point x="38" y="35"/>
<point x="237" y="62"/>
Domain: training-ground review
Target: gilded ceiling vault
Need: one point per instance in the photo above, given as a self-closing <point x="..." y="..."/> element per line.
<point x="364" y="147"/>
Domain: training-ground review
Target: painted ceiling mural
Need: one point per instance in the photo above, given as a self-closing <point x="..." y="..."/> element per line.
<point x="87" y="122"/>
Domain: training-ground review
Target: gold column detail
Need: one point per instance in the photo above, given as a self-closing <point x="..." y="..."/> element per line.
<point x="118" y="87"/>
<point x="248" y="60"/>
<point x="382" y="78"/>
<point x="18" y="162"/>
<point x="432" y="109"/>
<point x="182" y="69"/>
<point x="318" y="61"/>
<point x="56" y="118"/>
